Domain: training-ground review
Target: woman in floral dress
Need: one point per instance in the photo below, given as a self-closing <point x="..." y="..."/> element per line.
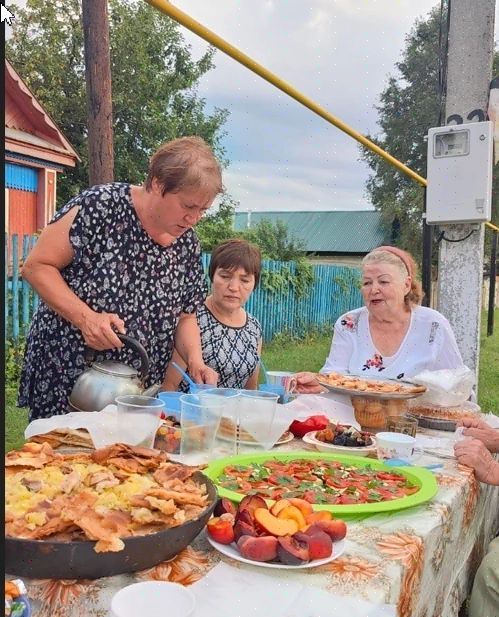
<point x="392" y="335"/>
<point x="121" y="258"/>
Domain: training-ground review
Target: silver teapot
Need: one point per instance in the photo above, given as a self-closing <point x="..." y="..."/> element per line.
<point x="103" y="381"/>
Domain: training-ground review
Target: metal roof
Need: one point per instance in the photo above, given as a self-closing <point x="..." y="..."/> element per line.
<point x="344" y="231"/>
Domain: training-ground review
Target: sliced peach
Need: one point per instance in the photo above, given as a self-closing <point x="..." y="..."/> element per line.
<point x="292" y="513"/>
<point x="279" y="505"/>
<point x="321" y="515"/>
<point x="221" y="528"/>
<point x="250" y="503"/>
<point x="320" y="545"/>
<point x="292" y="552"/>
<point x="305" y="507"/>
<point x="273" y="525"/>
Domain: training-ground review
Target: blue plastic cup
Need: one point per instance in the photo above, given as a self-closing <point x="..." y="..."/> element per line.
<point x="172" y="403"/>
<point x="275" y="389"/>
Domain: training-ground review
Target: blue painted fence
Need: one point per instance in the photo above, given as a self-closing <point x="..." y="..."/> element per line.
<point x="335" y="290"/>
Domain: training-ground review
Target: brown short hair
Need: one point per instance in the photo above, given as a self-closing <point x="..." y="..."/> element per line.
<point x="236" y="253"/>
<point x="405" y="263"/>
<point x="185" y="163"/>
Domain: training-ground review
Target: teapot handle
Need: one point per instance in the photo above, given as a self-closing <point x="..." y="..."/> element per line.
<point x="136" y="346"/>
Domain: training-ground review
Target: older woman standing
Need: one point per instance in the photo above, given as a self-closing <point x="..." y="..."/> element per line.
<point x="392" y="335"/>
<point x="120" y="258"/>
<point x="231" y="338"/>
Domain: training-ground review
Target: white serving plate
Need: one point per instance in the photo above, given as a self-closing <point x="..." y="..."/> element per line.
<point x="230" y="550"/>
<point x="310" y="439"/>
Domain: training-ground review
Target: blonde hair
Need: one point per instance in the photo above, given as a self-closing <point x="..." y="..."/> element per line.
<point x="186" y="163"/>
<point x="405" y="264"/>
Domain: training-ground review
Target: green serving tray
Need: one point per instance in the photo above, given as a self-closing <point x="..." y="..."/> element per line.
<point x="416" y="475"/>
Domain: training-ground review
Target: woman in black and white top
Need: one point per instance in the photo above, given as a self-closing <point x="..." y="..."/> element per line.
<point x="231" y="338"/>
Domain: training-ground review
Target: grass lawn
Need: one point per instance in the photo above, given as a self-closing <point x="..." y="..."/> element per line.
<point x="309" y="354"/>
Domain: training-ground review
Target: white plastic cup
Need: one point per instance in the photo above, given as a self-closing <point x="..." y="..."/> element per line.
<point x="199" y="421"/>
<point x="154" y="599"/>
<point x="142" y="413"/>
<point x="397" y="446"/>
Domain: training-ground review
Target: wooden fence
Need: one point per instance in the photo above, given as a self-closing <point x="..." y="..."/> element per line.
<point x="335" y="290"/>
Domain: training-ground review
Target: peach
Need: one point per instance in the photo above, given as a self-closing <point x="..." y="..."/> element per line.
<point x="305" y="507"/>
<point x="263" y="548"/>
<point x="224" y="506"/>
<point x="241" y="528"/>
<point x="245" y="516"/>
<point x="291" y="551"/>
<point x="273" y="525"/>
<point x="319" y="544"/>
<point x="279" y="505"/>
<point x="321" y="515"/>
<point x="221" y="528"/>
<point x="336" y="529"/>
<point x="251" y="503"/>
<point x="292" y="513"/>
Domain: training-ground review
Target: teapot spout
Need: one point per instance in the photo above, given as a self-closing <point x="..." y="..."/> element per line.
<point x="152" y="390"/>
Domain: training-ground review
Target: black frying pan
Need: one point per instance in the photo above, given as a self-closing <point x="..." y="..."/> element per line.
<point x="77" y="559"/>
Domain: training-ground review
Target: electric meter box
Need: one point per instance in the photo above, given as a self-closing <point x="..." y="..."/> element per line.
<point x="459" y="173"/>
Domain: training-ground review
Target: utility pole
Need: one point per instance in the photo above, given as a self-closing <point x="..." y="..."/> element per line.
<point x="99" y="102"/>
<point x="460" y="264"/>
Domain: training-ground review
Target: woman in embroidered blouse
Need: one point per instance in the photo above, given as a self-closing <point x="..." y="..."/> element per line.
<point x="392" y="335"/>
<point x="121" y="258"/>
<point x="231" y="338"/>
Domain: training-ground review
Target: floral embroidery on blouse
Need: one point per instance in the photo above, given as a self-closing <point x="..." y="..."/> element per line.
<point x="433" y="331"/>
<point x="375" y="362"/>
<point x="349" y="323"/>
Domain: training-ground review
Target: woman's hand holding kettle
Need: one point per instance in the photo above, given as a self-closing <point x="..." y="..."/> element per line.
<point x="99" y="330"/>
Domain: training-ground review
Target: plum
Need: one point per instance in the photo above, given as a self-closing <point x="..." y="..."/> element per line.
<point x="292" y="552"/>
<point x="263" y="548"/>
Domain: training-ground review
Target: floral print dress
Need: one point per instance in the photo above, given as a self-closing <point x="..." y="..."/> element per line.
<point x="117" y="268"/>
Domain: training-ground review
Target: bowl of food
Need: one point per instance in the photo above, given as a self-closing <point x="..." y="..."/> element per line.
<point x="87" y="515"/>
<point x="343" y="439"/>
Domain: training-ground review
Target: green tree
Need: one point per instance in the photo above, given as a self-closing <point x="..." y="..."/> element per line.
<point x="154" y="82"/>
<point x="217" y="226"/>
<point x="412" y="102"/>
<point x="275" y="241"/>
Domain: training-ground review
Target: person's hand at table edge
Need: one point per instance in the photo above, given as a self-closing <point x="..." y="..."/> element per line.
<point x="306" y="383"/>
<point x="479" y="429"/>
<point x="474" y="454"/>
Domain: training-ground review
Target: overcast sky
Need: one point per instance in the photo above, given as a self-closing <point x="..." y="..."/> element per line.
<point x="337" y="52"/>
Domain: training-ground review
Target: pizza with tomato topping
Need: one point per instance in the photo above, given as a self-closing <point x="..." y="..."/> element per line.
<point x="316" y="481"/>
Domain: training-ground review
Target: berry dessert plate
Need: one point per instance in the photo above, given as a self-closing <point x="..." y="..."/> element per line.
<point x="322" y="446"/>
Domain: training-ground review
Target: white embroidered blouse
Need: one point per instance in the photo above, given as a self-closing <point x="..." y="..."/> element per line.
<point x="429" y="344"/>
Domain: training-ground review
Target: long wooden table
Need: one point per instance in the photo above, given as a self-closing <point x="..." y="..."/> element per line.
<point x="421" y="559"/>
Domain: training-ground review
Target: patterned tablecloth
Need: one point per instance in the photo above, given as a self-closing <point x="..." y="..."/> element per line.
<point x="421" y="559"/>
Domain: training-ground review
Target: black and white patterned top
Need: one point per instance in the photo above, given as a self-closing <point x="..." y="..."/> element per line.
<point x="117" y="268"/>
<point x="231" y="352"/>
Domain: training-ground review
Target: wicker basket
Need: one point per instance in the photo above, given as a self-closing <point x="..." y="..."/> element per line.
<point x="371" y="413"/>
